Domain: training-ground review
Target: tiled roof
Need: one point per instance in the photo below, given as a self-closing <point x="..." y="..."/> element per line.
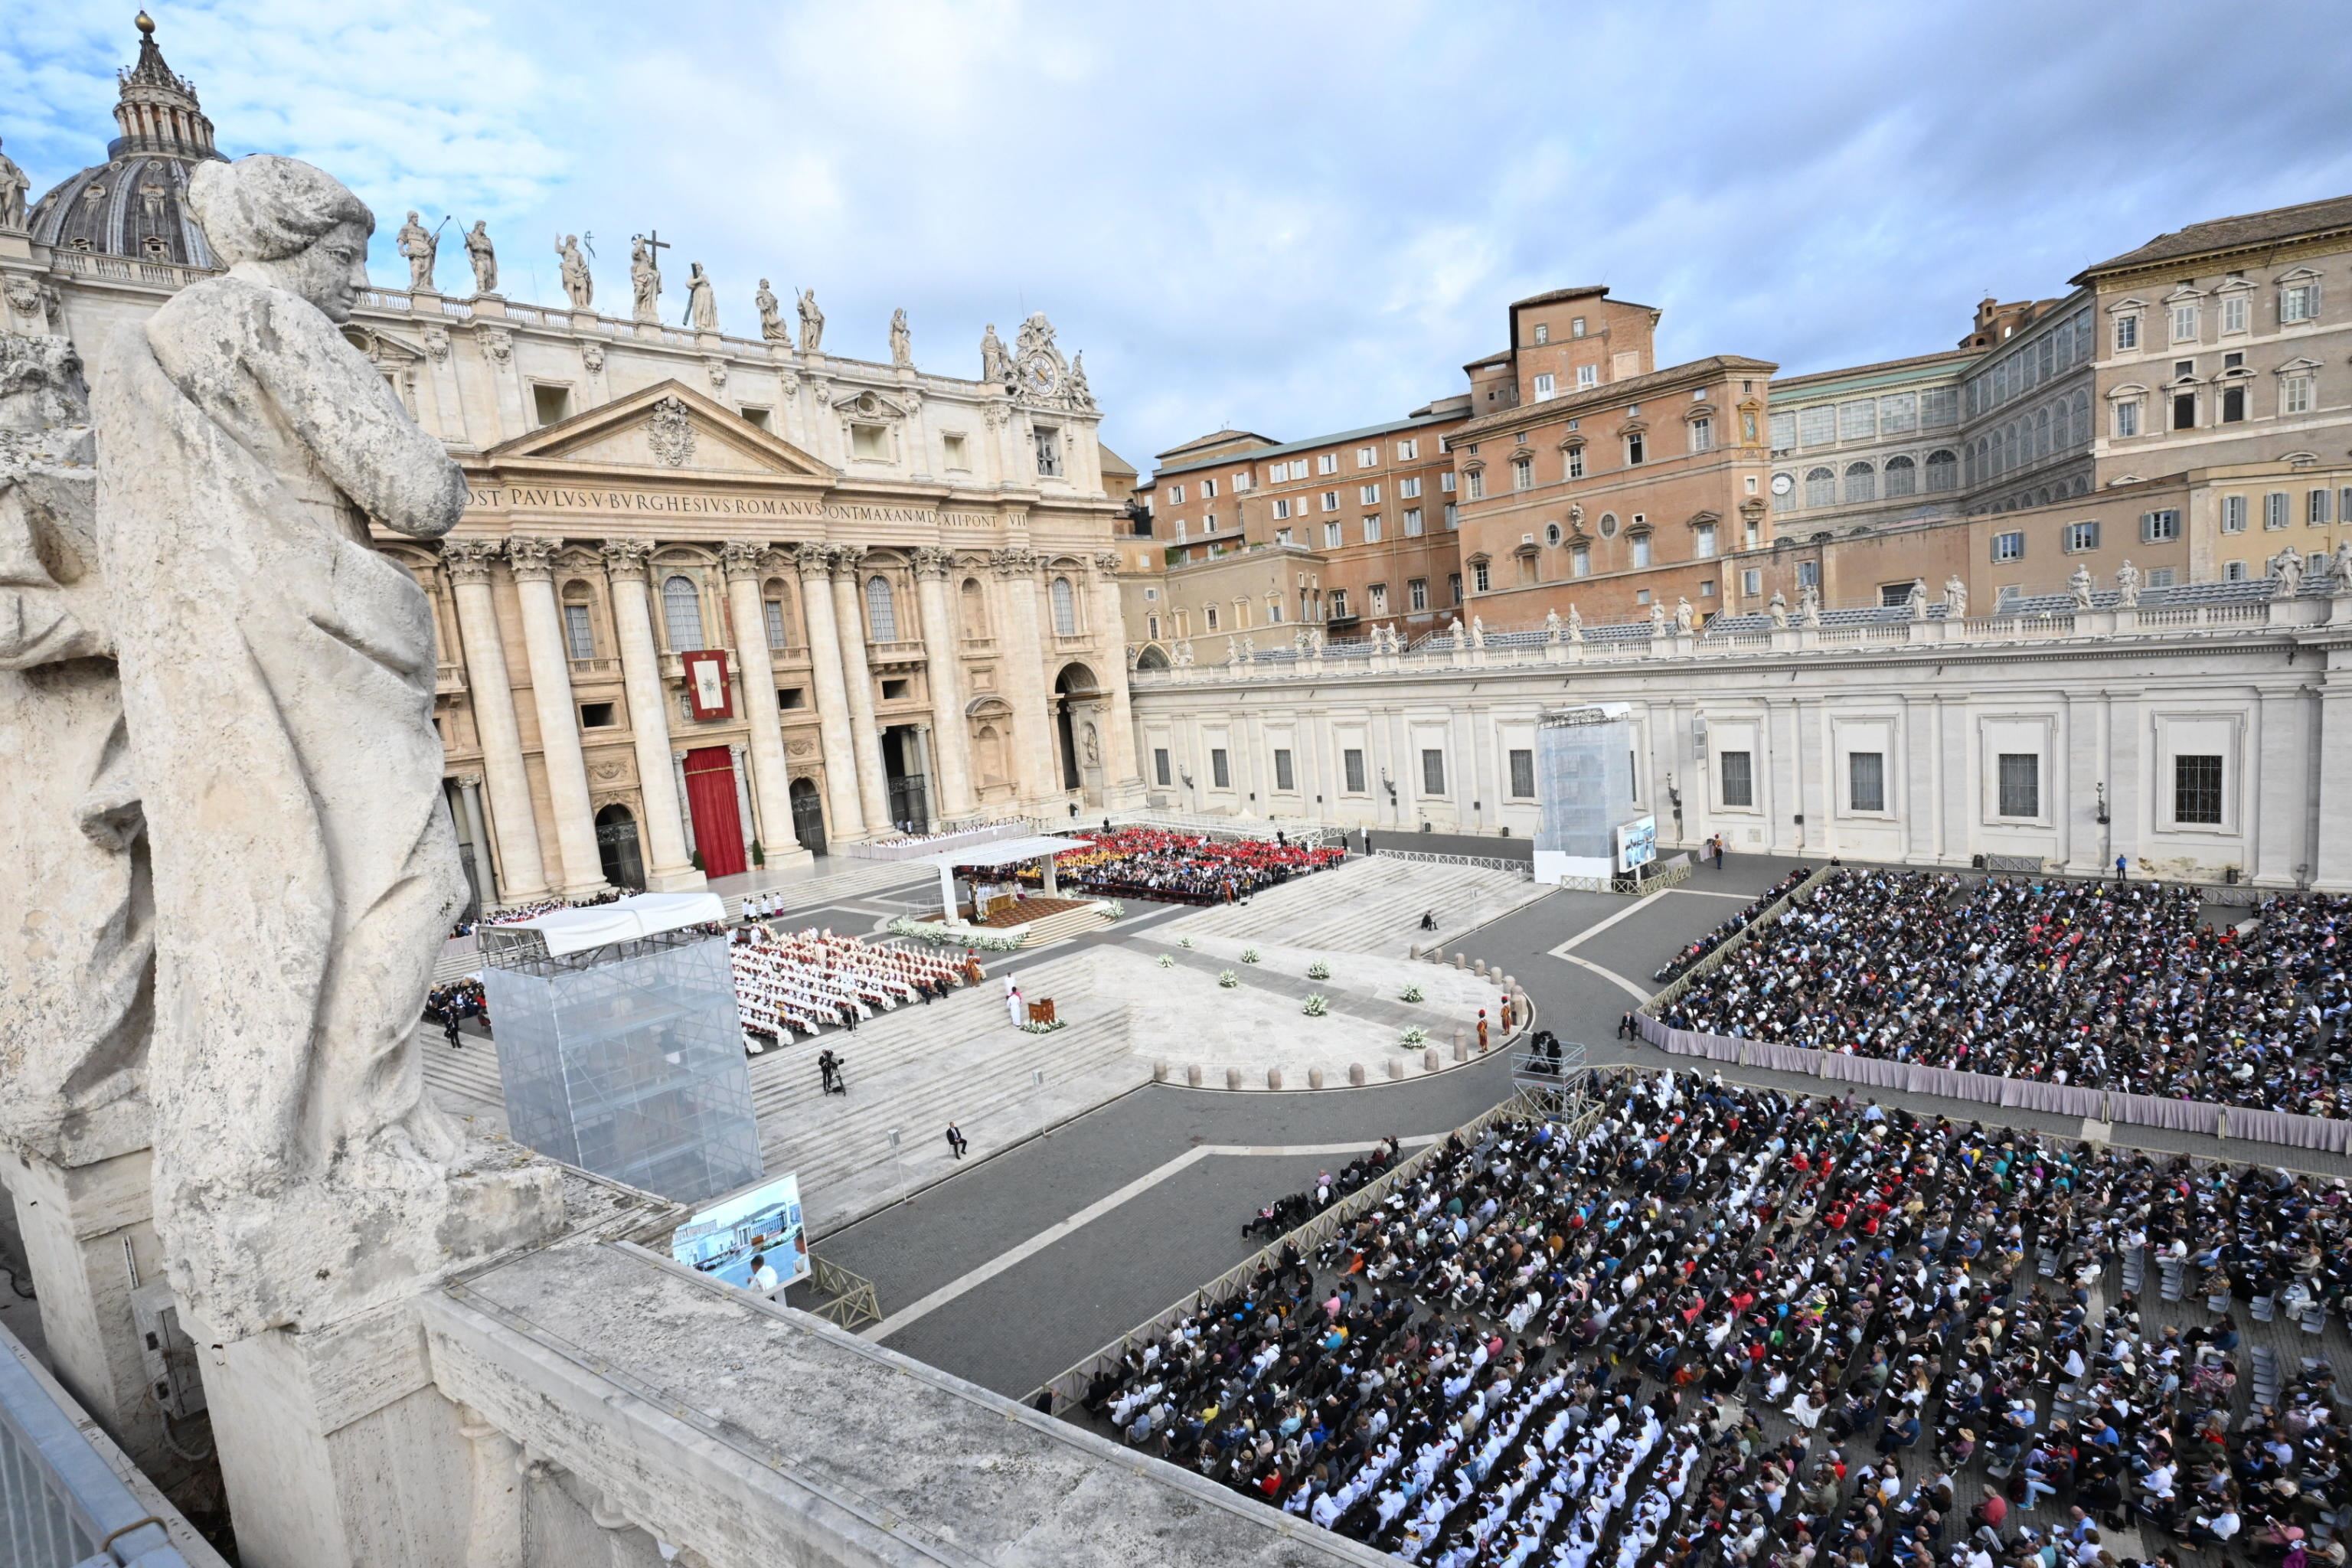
<point x="1216" y="438"/>
<point x="2231" y="234"/>
<point x="1610" y="393"/>
<point x="1337" y="438"/>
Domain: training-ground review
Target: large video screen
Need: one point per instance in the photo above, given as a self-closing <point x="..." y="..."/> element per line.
<point x="760" y="1221"/>
<point x="1637" y="843"/>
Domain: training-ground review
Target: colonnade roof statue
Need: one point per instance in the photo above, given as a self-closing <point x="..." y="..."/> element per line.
<point x="277" y="678"/>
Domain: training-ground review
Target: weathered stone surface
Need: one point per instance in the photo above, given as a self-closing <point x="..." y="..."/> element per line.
<point x="278" y="678"/>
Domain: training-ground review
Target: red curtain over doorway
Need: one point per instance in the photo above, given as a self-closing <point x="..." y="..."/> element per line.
<point x="710" y="800"/>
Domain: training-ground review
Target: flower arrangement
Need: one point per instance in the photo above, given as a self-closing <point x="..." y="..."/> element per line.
<point x="1318" y="970"/>
<point x="1227" y="979"/>
<point x="1410" y="993"/>
<point x="1249" y="956"/>
<point x="1415" y="1039"/>
<point x="933" y="932"/>
<point x="1184" y="941"/>
<point x="1114" y="909"/>
<point x="1316" y="1005"/>
<point x="1166" y="960"/>
<point x="1044" y="1028"/>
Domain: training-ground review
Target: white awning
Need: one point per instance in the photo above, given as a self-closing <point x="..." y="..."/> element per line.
<point x="644" y="914"/>
<point x="1007" y="852"/>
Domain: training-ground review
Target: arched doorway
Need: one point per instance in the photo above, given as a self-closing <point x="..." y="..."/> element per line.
<point x="1076" y="699"/>
<point x="617" y="847"/>
<point x="1152" y="658"/>
<point x="808" y="816"/>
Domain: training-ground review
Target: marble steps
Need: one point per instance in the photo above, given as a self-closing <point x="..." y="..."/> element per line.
<point x="1373" y="906"/>
<point x="465" y="1082"/>
<point x="1064" y="923"/>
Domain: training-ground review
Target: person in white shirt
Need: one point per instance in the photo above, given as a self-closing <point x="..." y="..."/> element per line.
<point x="764" y="1281"/>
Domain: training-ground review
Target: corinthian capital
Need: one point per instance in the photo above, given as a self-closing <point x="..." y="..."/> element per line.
<point x="930" y="561"/>
<point x="1013" y="562"/>
<point x="469" y="560"/>
<point x="810" y="558"/>
<point x="1106" y="562"/>
<point x="845" y="557"/>
<point x="534" y="560"/>
<point x="741" y="560"/>
<point x="626" y="558"/>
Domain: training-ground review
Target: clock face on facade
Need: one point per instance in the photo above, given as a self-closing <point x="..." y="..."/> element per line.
<point x="1039" y="376"/>
<point x="1782" y="484"/>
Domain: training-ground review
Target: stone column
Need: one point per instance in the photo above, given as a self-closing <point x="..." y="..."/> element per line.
<point x="848" y="818"/>
<point x="1036" y="763"/>
<point x="684" y="813"/>
<point x="532" y="561"/>
<point x="944" y="668"/>
<point x="671" y="868"/>
<point x="469" y="788"/>
<point x="857" y="678"/>
<point x="755" y="683"/>
<point x="1122" y="786"/>
<point x="523" y="877"/>
<point x="745" y="818"/>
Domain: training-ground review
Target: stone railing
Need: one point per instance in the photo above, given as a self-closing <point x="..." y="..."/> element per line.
<point x="127" y="269"/>
<point x="1630" y="643"/>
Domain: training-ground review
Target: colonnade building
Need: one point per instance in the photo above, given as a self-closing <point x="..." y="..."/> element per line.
<point x="718" y="599"/>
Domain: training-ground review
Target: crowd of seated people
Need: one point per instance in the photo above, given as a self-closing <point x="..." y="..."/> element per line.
<point x="804" y="982"/>
<point x="1561" y="1346"/>
<point x="2106" y="985"/>
<point x="1180" y="868"/>
<point x="457" y="1001"/>
<point x="1673" y="968"/>
<point x="1285" y="1215"/>
<point x="515" y="914"/>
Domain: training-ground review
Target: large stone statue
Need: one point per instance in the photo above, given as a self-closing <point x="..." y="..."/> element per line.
<point x="1683" y="615"/>
<point x="2078" y="587"/>
<point x="902" y="342"/>
<point x="993" y="364"/>
<point x="2286" y="569"/>
<point x="420" y="246"/>
<point x="1478" y="631"/>
<point x="1809" y="606"/>
<point x="701" y="305"/>
<point x="485" y="258"/>
<point x="1777" y="609"/>
<point x="811" y="323"/>
<point x="2340" y="569"/>
<point x="1657" y="619"/>
<point x="1551" y="628"/>
<point x="1915" y="603"/>
<point x="1081" y="394"/>
<point x="644" y="281"/>
<point x="771" y="316"/>
<point x="1575" y="624"/>
<point x="2127" y="587"/>
<point x="277" y="676"/>
<point x="77" y="937"/>
<point x="13" y="186"/>
<point x="577" y="283"/>
<point x="1956" y="598"/>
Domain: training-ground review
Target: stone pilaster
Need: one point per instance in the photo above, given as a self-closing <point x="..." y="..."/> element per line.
<point x="533" y="561"/>
<point x="672" y="868"/>
<point x="848" y="817"/>
<point x="1122" y="786"/>
<point x="857" y="679"/>
<point x="522" y="876"/>
<point x="469" y="790"/>
<point x="1036" y="760"/>
<point x="755" y="684"/>
<point x="943" y="667"/>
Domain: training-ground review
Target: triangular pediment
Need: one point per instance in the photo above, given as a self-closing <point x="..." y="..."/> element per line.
<point x="668" y="427"/>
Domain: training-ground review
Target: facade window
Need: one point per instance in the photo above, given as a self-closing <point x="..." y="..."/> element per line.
<point x="1865" y="780"/>
<point x="1339" y="603"/>
<point x="1282" y="536"/>
<point x="1751" y="583"/>
<point x="1820" y="487"/>
<point x="1330" y="500"/>
<point x="2296" y="394"/>
<point x="1579" y="560"/>
<point x="1453" y="514"/>
<point x="1639" y="544"/>
<point x="2233" y="404"/>
<point x="1049" y="453"/>
<point x="1572" y="466"/>
<point x="2184" y="410"/>
<point x="1480" y="575"/>
<point x="1474" y="485"/>
<point x="1408" y="451"/>
<point x="2234" y="571"/>
<point x="1281" y="508"/>
<point x="1416" y="593"/>
<point x="1588" y="376"/>
<point x="2233" y="514"/>
<point x="1703" y="541"/>
<point x="1453" y="586"/>
<point x="1858" y="421"/>
<point x="2196" y="790"/>
<point x="1546" y="388"/>
<point x="1413" y="528"/>
<point x="1633" y="449"/>
<point x="579" y="635"/>
<point x="882" y="610"/>
<point x="1432" y="772"/>
<point x="2010" y="546"/>
<point x="1902" y="477"/>
<point x="1209" y="489"/>
<point x="1334" y="536"/>
<point x="682" y="614"/>
<point x="1860" y="482"/>
<point x="1282" y="779"/>
<point x="1368" y="495"/>
<point x="1221" y="771"/>
<point x="2021" y="783"/>
<point x="1366" y="456"/>
<point x="2298" y="302"/>
<point x="1702" y="434"/>
<point x="1373" y="529"/>
<point x="1327" y="462"/>
<point x="1409" y="489"/>
<point x="2082" y="536"/>
<point x="1175" y="495"/>
<point x="2275" y="509"/>
<point x="2159" y="527"/>
<point x="1066" y="606"/>
<point x="1523" y="774"/>
<point x="2184" y="323"/>
<point x="2160" y="577"/>
<point x="1817" y="425"/>
<point x="1380" y="597"/>
<point x="2233" y="313"/>
<point x="1209" y="616"/>
<point x="1739" y="779"/>
<point x="2128" y="418"/>
<point x="1352" y="769"/>
<point x="1943" y="472"/>
<point x="1160" y="770"/>
<point x="779" y="632"/>
<point x="1809" y="573"/>
<point x="2127" y="334"/>
<point x="1523" y="473"/>
<point x="2315" y="509"/>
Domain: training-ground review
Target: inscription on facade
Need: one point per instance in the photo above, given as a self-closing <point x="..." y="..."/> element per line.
<point x="556" y="497"/>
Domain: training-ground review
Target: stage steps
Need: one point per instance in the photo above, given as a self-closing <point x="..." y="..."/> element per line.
<point x="1064" y="923"/>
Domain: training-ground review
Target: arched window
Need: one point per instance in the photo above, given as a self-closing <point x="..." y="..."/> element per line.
<point x="682" y="614"/>
<point x="1860" y="482"/>
<point x="1820" y="487"/>
<point x="1902" y="477"/>
<point x="775" y="609"/>
<point x="975" y="609"/>
<point x="1066" y="608"/>
<point x="579" y="629"/>
<point x="1943" y="472"/>
<point x="881" y="610"/>
<point x="2041" y="448"/>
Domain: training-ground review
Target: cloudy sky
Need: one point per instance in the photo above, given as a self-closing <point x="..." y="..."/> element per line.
<point x="1290" y="219"/>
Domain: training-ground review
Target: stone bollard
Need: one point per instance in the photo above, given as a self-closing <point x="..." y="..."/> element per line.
<point x="1481" y="968"/>
<point x="1459" y="959"/>
<point x="1193" y="1075"/>
<point x="1355" y="1075"/>
<point x="1429" y="1062"/>
<point x="1461" y="1049"/>
<point x="1233" y="1077"/>
<point x="1274" y="1077"/>
<point x="1315" y="1078"/>
<point x="1159" y="1072"/>
<point x="1396" y="1067"/>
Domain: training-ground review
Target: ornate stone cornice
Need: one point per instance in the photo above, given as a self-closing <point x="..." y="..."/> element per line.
<point x="1013" y="562"/>
<point x="742" y="560"/>
<point x="534" y="560"/>
<point x="810" y="558"/>
<point x="469" y="560"/>
<point x="930" y="561"/>
<point x="467" y="781"/>
<point x="1106" y="562"/>
<point x="625" y="559"/>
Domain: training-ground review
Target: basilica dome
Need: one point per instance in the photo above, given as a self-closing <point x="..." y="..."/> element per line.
<point x="135" y="203"/>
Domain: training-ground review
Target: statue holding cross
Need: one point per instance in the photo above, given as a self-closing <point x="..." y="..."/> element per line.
<point x="644" y="273"/>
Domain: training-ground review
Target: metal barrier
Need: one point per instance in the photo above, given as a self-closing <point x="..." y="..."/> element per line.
<point x="1526" y="869"/>
<point x="849" y="1299"/>
<point x="61" y="1504"/>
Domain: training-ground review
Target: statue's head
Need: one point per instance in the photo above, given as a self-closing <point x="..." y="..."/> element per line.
<point x="283" y="223"/>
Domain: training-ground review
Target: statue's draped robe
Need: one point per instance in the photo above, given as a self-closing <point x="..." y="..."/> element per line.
<point x="278" y="678"/>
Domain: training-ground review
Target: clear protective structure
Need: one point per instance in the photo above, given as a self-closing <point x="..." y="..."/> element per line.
<point x="1584" y="778"/>
<point x="627" y="1059"/>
